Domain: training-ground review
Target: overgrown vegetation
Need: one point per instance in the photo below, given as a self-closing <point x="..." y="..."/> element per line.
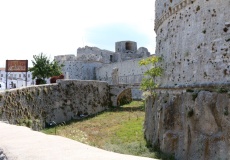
<point x="26" y="122"/>
<point x="119" y="129"/>
<point x="148" y="84"/>
<point x="222" y="90"/>
<point x="189" y="90"/>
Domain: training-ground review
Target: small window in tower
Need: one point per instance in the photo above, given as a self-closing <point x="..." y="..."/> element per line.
<point x="128" y="46"/>
<point x="111" y="58"/>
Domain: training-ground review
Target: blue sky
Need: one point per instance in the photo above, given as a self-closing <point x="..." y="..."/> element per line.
<point x="59" y="27"/>
<point x="106" y="36"/>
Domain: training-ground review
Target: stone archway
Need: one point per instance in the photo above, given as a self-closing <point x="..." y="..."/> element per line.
<point x="124" y="97"/>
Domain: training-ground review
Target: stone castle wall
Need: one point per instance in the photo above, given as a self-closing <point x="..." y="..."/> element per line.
<point x="92" y="63"/>
<point x="62" y="58"/>
<point x="129" y="72"/>
<point x="193" y="36"/>
<point x="95" y="54"/>
<point x="189" y="117"/>
<point x="130" y="55"/>
<point x="39" y="106"/>
<point x="190" y="123"/>
<point x="80" y="70"/>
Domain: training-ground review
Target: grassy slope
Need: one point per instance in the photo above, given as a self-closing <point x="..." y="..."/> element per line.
<point x="117" y="129"/>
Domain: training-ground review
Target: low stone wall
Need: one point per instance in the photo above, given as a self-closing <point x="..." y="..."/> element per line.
<point x="38" y="106"/>
<point x="190" y="123"/>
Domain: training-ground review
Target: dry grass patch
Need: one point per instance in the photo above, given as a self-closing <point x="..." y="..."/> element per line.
<point x="119" y="129"/>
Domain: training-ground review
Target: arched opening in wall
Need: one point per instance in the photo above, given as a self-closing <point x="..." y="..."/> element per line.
<point x="128" y="46"/>
<point x="125" y="97"/>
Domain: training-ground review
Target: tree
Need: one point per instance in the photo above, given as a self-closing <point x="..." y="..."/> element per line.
<point x="56" y="69"/>
<point x="44" y="68"/>
<point x="148" y="84"/>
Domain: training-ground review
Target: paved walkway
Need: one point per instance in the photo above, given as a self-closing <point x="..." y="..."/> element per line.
<point x="21" y="143"/>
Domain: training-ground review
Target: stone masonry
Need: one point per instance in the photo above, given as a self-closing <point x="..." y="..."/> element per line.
<point x="189" y="117"/>
<point x="193" y="37"/>
<point x="190" y="123"/>
<point x="92" y="63"/>
<point x="44" y="105"/>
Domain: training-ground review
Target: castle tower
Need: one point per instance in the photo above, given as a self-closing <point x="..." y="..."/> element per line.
<point x="193" y="36"/>
<point x="125" y="46"/>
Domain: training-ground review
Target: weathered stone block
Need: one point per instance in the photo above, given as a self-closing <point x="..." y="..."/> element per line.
<point x="191" y="125"/>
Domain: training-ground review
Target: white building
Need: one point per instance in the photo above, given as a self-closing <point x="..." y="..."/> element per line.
<point x="15" y="79"/>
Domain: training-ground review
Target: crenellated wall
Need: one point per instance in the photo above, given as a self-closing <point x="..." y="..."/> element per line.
<point x="193" y="36"/>
<point x="38" y="106"/>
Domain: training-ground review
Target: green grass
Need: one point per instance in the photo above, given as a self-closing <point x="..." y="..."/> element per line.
<point x="119" y="129"/>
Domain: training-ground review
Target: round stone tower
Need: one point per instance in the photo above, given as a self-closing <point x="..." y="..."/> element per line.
<point x="193" y="37"/>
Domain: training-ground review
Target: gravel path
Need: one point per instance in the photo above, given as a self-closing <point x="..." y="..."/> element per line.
<point x="21" y="143"/>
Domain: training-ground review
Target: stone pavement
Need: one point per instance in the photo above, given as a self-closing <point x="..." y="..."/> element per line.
<point x="21" y="143"/>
